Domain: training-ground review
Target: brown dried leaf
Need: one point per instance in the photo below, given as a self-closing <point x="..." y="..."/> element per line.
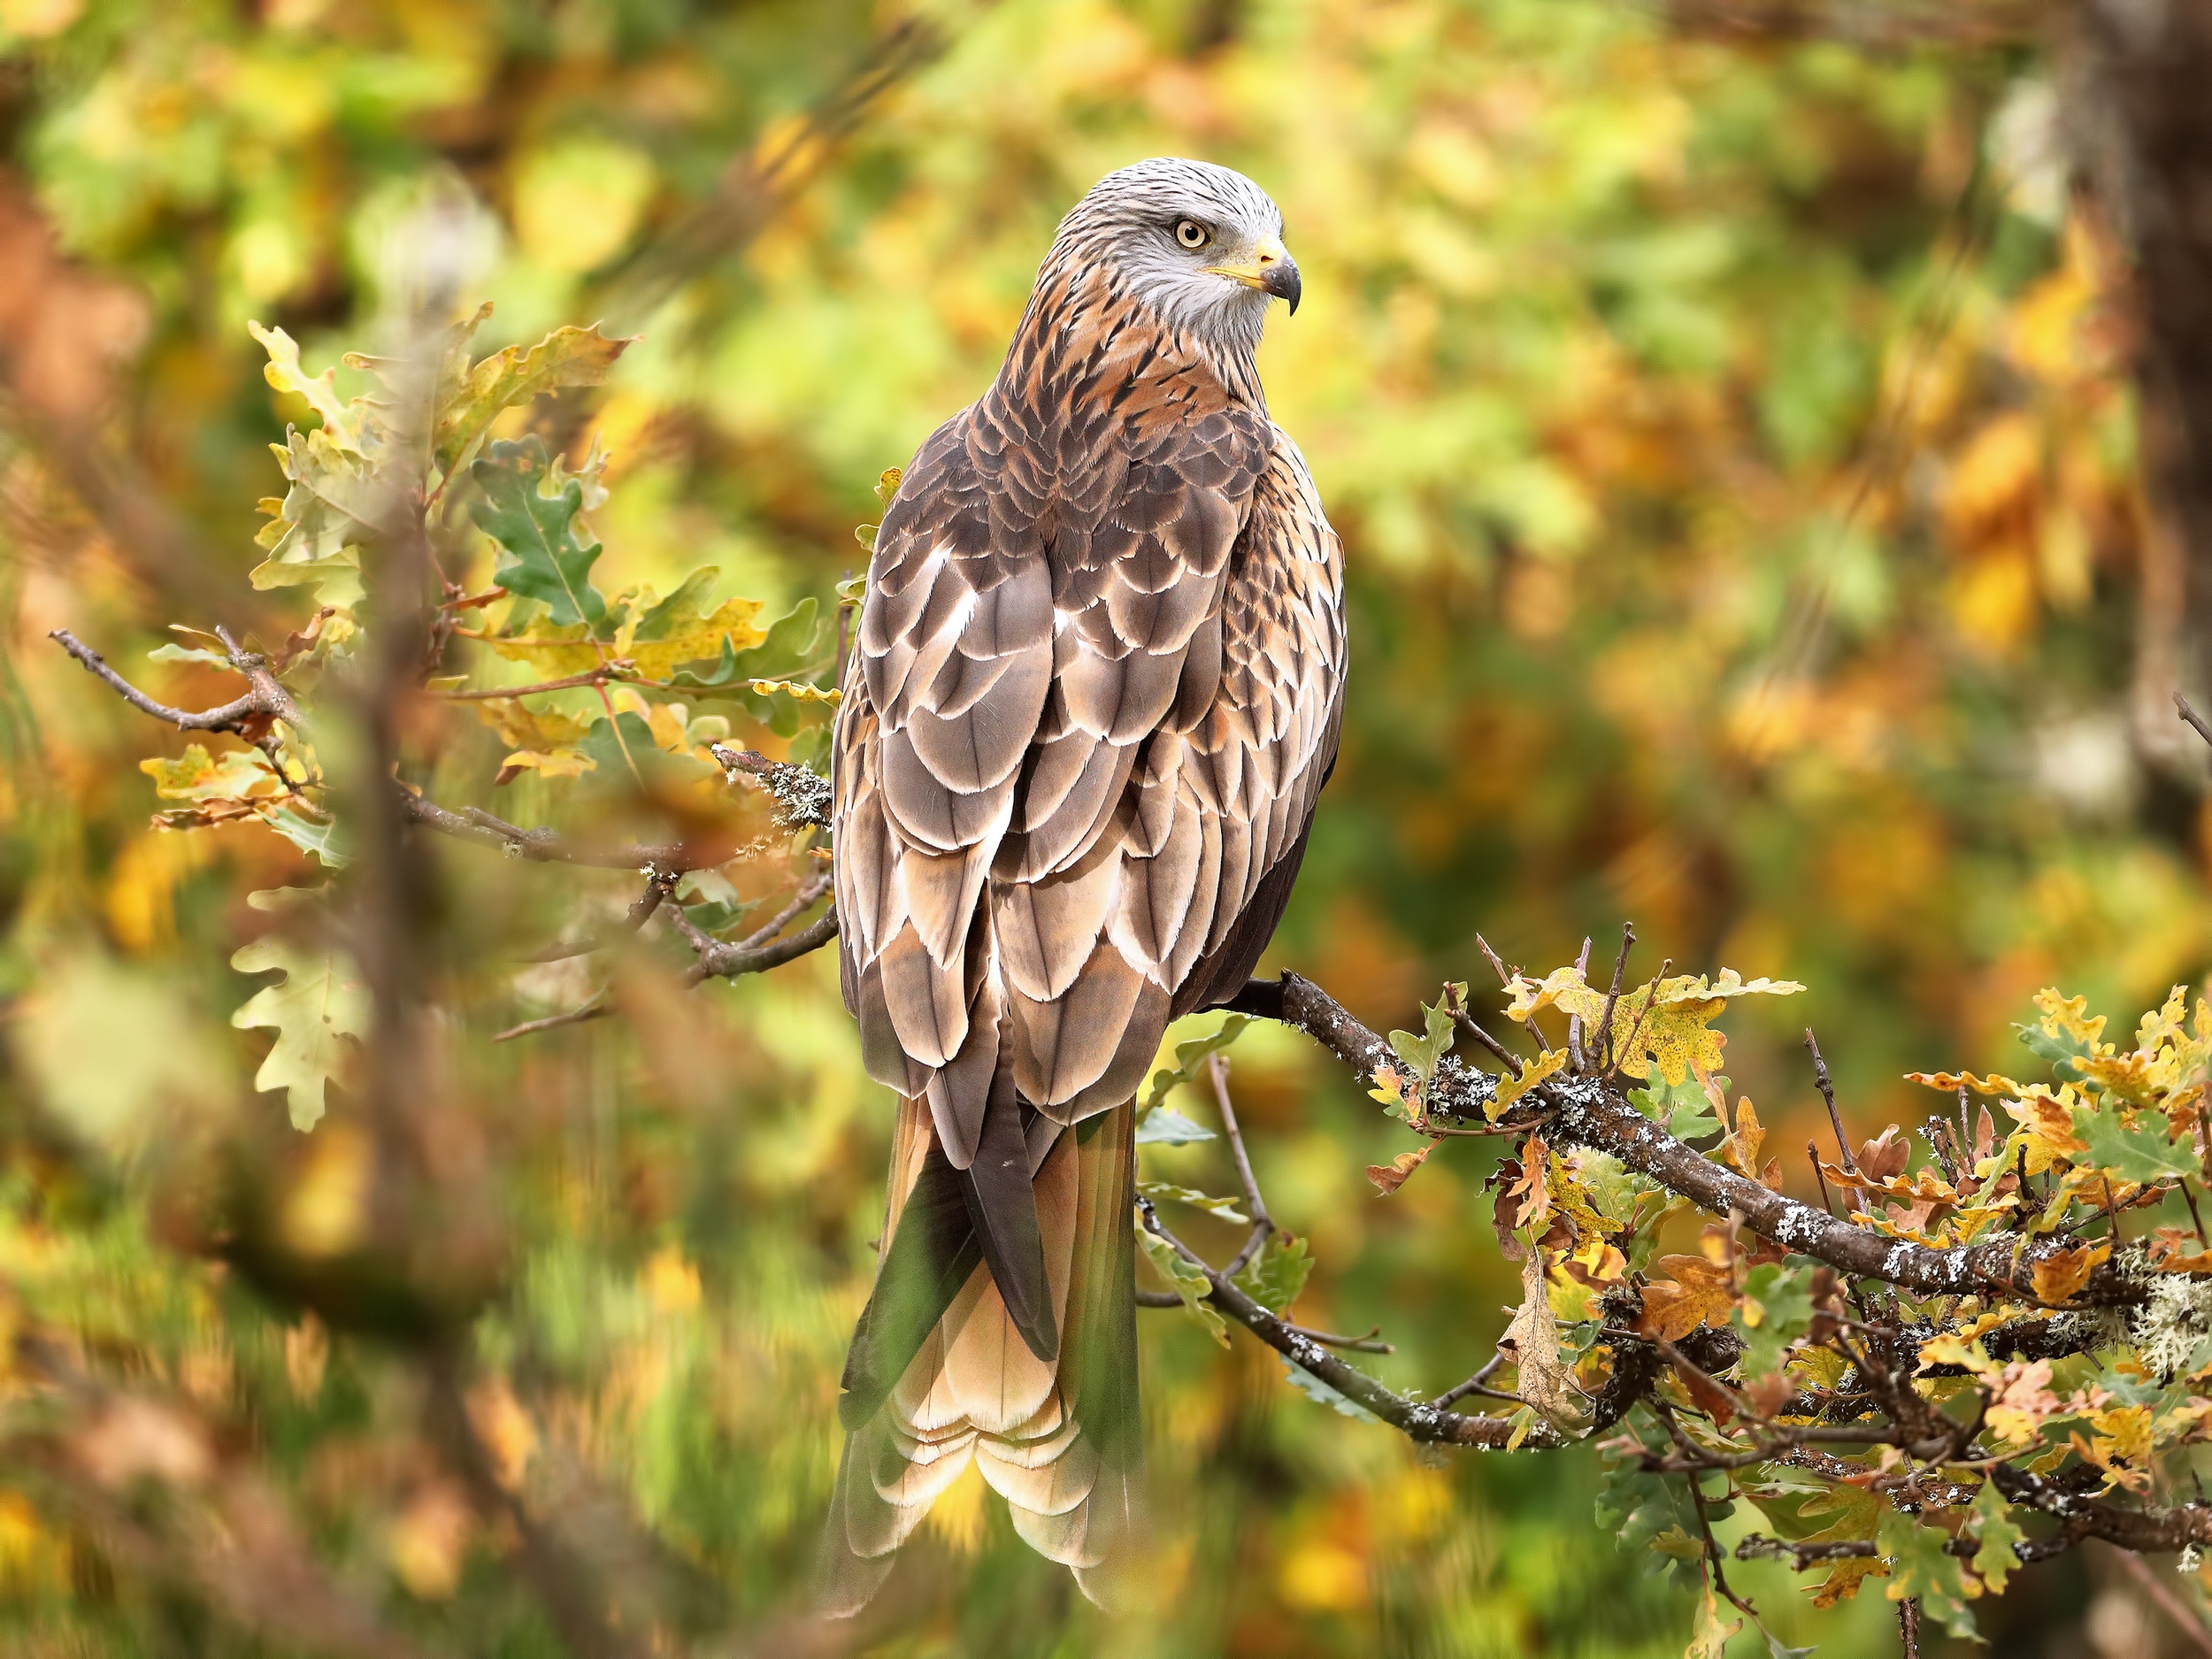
<point x="1885" y="1156"/>
<point x="1698" y="1292"/>
<point x="1534" y="1340"/>
<point x="1388" y="1178"/>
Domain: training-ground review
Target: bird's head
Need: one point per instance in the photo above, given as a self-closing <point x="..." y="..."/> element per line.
<point x="1198" y="245"/>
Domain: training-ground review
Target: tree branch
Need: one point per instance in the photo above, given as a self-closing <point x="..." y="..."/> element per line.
<point x="1592" y="1112"/>
<point x="1417" y="1419"/>
<point x="266" y="695"/>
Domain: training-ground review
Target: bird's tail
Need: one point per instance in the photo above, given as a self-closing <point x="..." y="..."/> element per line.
<point x="940" y="1376"/>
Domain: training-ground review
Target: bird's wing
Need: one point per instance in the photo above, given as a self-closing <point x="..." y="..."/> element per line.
<point x="1247" y="776"/>
<point x="1088" y="890"/>
<point x="1042" y="641"/>
<point x="943" y="692"/>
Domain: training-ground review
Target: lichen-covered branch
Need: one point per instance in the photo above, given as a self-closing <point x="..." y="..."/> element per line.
<point x="1588" y="1111"/>
<point x="1417" y="1419"/>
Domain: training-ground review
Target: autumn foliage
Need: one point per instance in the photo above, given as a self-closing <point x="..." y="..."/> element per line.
<point x="437" y="1179"/>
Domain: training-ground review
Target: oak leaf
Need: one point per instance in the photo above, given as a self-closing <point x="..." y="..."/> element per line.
<point x="315" y="1009"/>
<point x="1388" y="1178"/>
<point x="473" y="396"/>
<point x="2059" y="1276"/>
<point x="1696" y="1292"/>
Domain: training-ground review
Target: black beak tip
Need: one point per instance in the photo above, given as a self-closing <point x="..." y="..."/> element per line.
<point x="1282" y="281"/>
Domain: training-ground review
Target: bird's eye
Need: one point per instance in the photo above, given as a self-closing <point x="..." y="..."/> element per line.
<point x="1191" y="234"/>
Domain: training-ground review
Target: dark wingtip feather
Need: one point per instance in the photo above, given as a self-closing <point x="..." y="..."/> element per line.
<point x="1002" y="1206"/>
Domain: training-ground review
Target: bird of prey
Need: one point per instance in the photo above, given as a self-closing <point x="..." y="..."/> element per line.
<point x="1096" y="686"/>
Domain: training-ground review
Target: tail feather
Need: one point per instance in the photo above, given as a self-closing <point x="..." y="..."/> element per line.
<point x="1057" y="1436"/>
<point x="1003" y="1211"/>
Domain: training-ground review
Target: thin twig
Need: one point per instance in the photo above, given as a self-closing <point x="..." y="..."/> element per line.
<point x="816" y="883"/>
<point x="1636" y="1030"/>
<point x="540" y="846"/>
<point x="1828" y="1092"/>
<point x="726" y="961"/>
<point x="595" y="1008"/>
<point x="1504" y="1056"/>
<point x="1474" y="1384"/>
<point x="2185" y="1618"/>
<point x="1826" y="1203"/>
<point x="2189" y="1199"/>
<point x="265" y="694"/>
<point x="2195" y="720"/>
<point x="1574" y="1021"/>
<point x="1504" y="977"/>
<point x="1419" y="1420"/>
<point x="1613" y="994"/>
<point x="1217" y="1072"/>
<point x="502" y="694"/>
<point x="658" y="887"/>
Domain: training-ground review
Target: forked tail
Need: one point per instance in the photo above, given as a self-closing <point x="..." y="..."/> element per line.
<point x="941" y="1373"/>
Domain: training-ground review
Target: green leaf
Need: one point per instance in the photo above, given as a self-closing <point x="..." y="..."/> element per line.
<point x="1186" y="1282"/>
<point x="319" y="1003"/>
<point x="1683" y="1107"/>
<point x="1920" y="1565"/>
<point x="1419" y="1055"/>
<point x="1991" y="1523"/>
<point x="2058" y="1048"/>
<point x="1226" y="1207"/>
<point x="1275" y="1276"/>
<point x="1779" y="1298"/>
<point x="321" y="837"/>
<point x="1164" y="1125"/>
<point x="174" y="653"/>
<point x="793" y="644"/>
<point x="1321" y="1393"/>
<point x="2143" y="1154"/>
<point x="548" y="552"/>
<point x="1188" y="1058"/>
<point x="473" y="400"/>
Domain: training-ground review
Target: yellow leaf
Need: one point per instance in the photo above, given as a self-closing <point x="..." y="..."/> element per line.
<point x="1550" y="1063"/>
<point x="2057" y="1277"/>
<point x="694" y="639"/>
<point x="237" y="774"/>
<point x="319" y="1004"/>
<point x="521" y="726"/>
<point x="283" y="372"/>
<point x="1709" y="1639"/>
<point x="799" y="690"/>
<point x="560" y="763"/>
<point x="1563" y="989"/>
<point x="554" y="652"/>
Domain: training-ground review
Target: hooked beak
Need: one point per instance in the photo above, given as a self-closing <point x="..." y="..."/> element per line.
<point x="1272" y="270"/>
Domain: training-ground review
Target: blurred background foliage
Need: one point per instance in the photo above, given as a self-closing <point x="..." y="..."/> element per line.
<point x="1732" y="442"/>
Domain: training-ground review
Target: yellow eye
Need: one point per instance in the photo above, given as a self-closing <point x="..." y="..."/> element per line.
<point x="1191" y="234"/>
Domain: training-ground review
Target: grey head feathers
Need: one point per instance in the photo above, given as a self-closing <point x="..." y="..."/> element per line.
<point x="1145" y="225"/>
